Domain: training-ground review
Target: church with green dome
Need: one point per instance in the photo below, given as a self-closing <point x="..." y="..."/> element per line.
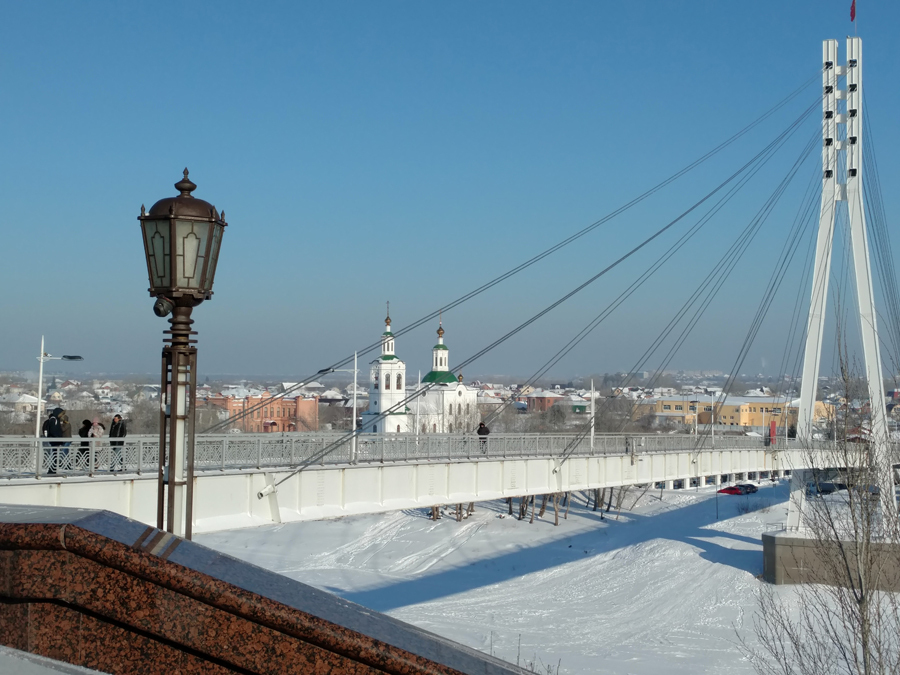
<point x="444" y="405"/>
<point x="440" y="368"/>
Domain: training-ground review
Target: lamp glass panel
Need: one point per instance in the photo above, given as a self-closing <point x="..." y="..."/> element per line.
<point x="218" y="230"/>
<point x="190" y="252"/>
<point x="156" y="247"/>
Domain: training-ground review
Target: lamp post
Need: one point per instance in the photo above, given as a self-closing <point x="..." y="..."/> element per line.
<point x="696" y="405"/>
<point x="182" y="236"/>
<point x="38" y="454"/>
<point x="44" y="356"/>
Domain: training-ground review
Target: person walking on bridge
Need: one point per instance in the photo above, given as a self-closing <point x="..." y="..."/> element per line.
<point x="483" y="432"/>
<point x="53" y="429"/>
<point x="117" y="430"/>
<point x="83" y="450"/>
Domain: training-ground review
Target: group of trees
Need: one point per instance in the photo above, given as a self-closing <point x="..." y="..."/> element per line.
<point x="143" y="418"/>
<point x="611" y="415"/>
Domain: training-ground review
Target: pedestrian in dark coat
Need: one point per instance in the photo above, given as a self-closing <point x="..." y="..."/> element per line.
<point x="45" y="427"/>
<point x="82" y="452"/>
<point x="483" y="432"/>
<point x="117" y="430"/>
<point x="53" y="429"/>
<point x="66" y="428"/>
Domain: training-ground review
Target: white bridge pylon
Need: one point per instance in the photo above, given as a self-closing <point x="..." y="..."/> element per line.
<point x="842" y="176"/>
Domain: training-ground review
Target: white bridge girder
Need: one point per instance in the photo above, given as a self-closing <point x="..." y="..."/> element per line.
<point x="230" y="499"/>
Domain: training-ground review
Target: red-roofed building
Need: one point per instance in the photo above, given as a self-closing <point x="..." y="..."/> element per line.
<point x="270" y="414"/>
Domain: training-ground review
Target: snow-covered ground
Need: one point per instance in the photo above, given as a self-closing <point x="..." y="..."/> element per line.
<point x="663" y="588"/>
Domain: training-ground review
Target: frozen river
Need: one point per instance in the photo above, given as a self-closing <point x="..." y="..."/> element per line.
<point x="661" y="589"/>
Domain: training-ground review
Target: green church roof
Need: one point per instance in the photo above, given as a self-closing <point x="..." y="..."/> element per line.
<point x="440" y="347"/>
<point x="440" y="377"/>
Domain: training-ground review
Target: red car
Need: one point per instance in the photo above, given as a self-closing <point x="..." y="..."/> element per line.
<point x="732" y="490"/>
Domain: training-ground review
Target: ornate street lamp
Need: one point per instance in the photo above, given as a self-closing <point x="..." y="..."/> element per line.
<point x="182" y="236"/>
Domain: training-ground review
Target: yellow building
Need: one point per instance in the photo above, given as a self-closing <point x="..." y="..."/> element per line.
<point x="733" y="411"/>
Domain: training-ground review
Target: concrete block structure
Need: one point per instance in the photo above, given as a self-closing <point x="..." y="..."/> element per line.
<point x="792" y="558"/>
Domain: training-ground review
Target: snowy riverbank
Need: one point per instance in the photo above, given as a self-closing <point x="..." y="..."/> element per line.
<point x="661" y="589"/>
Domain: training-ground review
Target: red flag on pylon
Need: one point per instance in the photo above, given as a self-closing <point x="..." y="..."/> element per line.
<point x="853" y="11"/>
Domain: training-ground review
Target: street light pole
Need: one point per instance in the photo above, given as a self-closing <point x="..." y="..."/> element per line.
<point x="41" y="358"/>
<point x="179" y="380"/>
<point x="696" y="405"/>
<point x="182" y="237"/>
<point x="37" y="419"/>
<point x="38" y="454"/>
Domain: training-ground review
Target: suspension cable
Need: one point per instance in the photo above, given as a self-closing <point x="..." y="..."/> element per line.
<point x="401" y="404"/>
<point x="515" y="270"/>
<point x="714" y="280"/>
<point x="752" y="168"/>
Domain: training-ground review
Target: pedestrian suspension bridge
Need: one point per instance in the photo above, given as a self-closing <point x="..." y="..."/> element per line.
<point x="247" y="479"/>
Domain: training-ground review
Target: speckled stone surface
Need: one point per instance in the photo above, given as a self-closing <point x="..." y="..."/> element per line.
<point x="105" y="592"/>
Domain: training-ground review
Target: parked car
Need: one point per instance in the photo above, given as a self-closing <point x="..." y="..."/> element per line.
<point x="747" y="488"/>
<point x="731" y="490"/>
<point x="813" y="489"/>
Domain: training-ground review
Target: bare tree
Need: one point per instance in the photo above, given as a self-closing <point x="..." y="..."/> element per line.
<point x="143" y="418"/>
<point x="337" y="417"/>
<point x="845" y="619"/>
<point x="508" y="421"/>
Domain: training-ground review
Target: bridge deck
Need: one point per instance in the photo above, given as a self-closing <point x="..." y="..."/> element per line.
<point x="28" y="457"/>
<point x="383" y="473"/>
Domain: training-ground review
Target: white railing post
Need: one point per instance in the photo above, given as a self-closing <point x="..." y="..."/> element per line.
<point x="38" y="456"/>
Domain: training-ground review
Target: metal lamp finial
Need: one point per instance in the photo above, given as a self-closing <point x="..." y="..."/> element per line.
<point x="186" y="186"/>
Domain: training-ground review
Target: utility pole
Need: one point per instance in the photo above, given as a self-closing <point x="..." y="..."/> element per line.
<point x="592" y="417"/>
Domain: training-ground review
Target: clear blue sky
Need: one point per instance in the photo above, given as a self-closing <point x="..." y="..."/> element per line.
<point x="400" y="151"/>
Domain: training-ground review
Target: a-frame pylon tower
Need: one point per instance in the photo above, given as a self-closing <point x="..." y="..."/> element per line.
<point x="842" y="180"/>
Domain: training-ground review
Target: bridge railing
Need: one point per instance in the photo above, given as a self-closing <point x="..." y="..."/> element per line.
<point x="21" y="457"/>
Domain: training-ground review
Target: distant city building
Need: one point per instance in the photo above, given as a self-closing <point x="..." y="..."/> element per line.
<point x="541" y="401"/>
<point x="733" y="411"/>
<point x="273" y="415"/>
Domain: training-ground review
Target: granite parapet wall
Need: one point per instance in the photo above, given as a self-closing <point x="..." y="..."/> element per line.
<point x="101" y="591"/>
